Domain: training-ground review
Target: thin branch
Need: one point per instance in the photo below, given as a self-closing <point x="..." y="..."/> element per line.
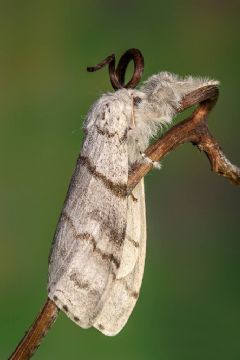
<point x="194" y="130"/>
<point x="40" y="327"/>
<point x="220" y="164"/>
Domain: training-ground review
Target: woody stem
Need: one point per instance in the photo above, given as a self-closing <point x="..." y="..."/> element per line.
<point x="195" y="130"/>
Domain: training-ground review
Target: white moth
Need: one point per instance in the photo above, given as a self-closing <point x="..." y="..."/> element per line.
<point x="97" y="259"/>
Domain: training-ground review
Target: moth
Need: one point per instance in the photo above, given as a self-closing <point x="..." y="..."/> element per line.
<point x="97" y="258"/>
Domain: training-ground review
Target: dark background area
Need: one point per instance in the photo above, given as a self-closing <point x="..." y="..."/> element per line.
<point x="189" y="306"/>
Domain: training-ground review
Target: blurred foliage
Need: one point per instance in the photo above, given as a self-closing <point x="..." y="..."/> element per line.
<point x="189" y="306"/>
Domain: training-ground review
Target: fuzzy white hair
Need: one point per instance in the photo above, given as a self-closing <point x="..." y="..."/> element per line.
<point x="156" y="104"/>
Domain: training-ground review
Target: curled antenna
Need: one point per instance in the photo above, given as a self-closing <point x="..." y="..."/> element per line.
<point x="117" y="75"/>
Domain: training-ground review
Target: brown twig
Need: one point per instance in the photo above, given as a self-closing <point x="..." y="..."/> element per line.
<point x="194" y="130"/>
<point x="40" y="327"/>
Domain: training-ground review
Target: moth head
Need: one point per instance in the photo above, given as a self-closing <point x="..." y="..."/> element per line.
<point x="155" y="101"/>
<point x="137" y="100"/>
<point x="164" y="92"/>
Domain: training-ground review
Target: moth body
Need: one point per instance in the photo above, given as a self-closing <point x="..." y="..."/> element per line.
<point x="98" y="253"/>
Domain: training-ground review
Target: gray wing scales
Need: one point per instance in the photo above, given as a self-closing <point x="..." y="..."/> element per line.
<point x="87" y="248"/>
<point x="125" y="291"/>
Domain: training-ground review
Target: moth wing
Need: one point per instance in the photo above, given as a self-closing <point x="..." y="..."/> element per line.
<point x="87" y="248"/>
<point x="124" y="293"/>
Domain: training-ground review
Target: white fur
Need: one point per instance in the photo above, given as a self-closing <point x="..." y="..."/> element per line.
<point x="160" y="97"/>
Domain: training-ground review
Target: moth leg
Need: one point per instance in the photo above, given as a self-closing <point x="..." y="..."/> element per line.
<point x="133" y="197"/>
<point x="155" y="164"/>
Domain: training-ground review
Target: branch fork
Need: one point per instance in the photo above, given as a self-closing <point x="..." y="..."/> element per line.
<point x="193" y="129"/>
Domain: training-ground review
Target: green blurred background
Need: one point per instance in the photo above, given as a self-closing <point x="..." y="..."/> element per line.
<point x="189" y="306"/>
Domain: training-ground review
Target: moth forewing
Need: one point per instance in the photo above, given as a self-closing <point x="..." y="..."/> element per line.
<point x="88" y="244"/>
<point x="125" y="290"/>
